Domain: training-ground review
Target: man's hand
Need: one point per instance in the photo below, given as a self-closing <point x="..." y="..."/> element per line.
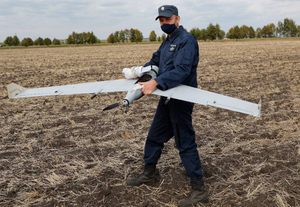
<point x="149" y="86"/>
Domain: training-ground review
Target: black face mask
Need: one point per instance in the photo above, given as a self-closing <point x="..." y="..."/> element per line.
<point x="168" y="28"/>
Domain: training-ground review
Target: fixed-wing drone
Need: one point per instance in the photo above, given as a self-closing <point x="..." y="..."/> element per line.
<point x="181" y="92"/>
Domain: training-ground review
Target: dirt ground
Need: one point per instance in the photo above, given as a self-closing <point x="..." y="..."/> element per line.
<point x="65" y="151"/>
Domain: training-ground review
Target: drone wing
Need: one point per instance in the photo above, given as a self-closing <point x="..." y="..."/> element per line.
<point x="16" y="91"/>
<point x="181" y="92"/>
<point x="195" y="95"/>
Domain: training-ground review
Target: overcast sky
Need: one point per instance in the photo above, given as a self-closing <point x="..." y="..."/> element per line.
<point x="59" y="18"/>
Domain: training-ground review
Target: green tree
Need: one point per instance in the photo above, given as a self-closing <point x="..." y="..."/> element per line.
<point x="56" y="42"/>
<point x="258" y="32"/>
<point x="265" y="31"/>
<point x="75" y="38"/>
<point x="244" y="31"/>
<point x="15" y="41"/>
<point x="91" y="38"/>
<point x="196" y="33"/>
<point x="39" y="41"/>
<point x="234" y="33"/>
<point x="163" y="36"/>
<point x="251" y="32"/>
<point x="268" y="30"/>
<point x="272" y="29"/>
<point x="220" y="33"/>
<point x="230" y="33"/>
<point x="159" y="39"/>
<point x="8" y="41"/>
<point x="139" y="36"/>
<point x="152" y="36"/>
<point x="79" y="38"/>
<point x="298" y="30"/>
<point x="127" y="35"/>
<point x="71" y="38"/>
<point x="203" y="34"/>
<point x="122" y="36"/>
<point x="279" y="28"/>
<point x="111" y="38"/>
<point x="289" y="27"/>
<point x="117" y="36"/>
<point x="211" y="32"/>
<point x="132" y="35"/>
<point x="27" y="42"/>
<point x="82" y="38"/>
<point x="47" y="41"/>
<point x="237" y="32"/>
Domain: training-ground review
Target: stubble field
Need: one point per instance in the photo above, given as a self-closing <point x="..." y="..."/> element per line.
<point x="64" y="151"/>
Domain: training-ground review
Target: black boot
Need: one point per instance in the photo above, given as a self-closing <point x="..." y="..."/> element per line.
<point x="198" y="194"/>
<point x="149" y="176"/>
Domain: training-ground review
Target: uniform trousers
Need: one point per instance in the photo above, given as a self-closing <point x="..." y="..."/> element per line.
<point x="174" y="119"/>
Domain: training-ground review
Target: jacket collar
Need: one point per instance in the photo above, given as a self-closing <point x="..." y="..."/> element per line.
<point x="176" y="33"/>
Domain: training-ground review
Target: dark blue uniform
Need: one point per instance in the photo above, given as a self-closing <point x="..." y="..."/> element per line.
<point x="177" y="59"/>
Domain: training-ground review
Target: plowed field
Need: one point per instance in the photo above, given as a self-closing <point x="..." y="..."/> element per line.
<point x="65" y="151"/>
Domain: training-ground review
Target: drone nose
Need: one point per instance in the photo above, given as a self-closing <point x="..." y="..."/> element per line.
<point x="125" y="102"/>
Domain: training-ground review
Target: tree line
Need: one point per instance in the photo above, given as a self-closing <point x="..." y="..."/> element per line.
<point x="74" y="38"/>
<point x="126" y="35"/>
<point x="212" y="32"/>
<point x="14" y="41"/>
<point x="285" y="28"/>
<point x="82" y="38"/>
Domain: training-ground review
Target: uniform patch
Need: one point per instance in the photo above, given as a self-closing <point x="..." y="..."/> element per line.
<point x="172" y="48"/>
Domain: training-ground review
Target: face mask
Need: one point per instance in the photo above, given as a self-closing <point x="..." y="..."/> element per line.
<point x="168" y="28"/>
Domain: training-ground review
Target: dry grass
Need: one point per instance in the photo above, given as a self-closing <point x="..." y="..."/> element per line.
<point x="64" y="151"/>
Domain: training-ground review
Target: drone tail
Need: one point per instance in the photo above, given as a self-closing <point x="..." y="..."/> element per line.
<point x="14" y="89"/>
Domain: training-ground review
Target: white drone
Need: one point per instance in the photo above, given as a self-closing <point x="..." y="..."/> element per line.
<point x="181" y="92"/>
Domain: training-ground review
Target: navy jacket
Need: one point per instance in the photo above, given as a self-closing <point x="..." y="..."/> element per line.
<point x="177" y="59"/>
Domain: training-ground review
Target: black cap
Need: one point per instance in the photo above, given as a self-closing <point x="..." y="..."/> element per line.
<point x="167" y="11"/>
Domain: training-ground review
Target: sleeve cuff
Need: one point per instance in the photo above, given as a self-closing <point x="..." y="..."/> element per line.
<point x="161" y="85"/>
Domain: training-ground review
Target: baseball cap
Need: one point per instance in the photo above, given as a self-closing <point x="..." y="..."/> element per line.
<point x="167" y="11"/>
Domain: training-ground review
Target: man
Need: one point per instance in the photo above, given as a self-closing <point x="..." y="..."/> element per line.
<point x="177" y="59"/>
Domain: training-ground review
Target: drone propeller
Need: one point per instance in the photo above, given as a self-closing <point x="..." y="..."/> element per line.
<point x="111" y="106"/>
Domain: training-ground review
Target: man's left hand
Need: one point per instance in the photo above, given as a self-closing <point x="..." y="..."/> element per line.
<point x="149" y="86"/>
